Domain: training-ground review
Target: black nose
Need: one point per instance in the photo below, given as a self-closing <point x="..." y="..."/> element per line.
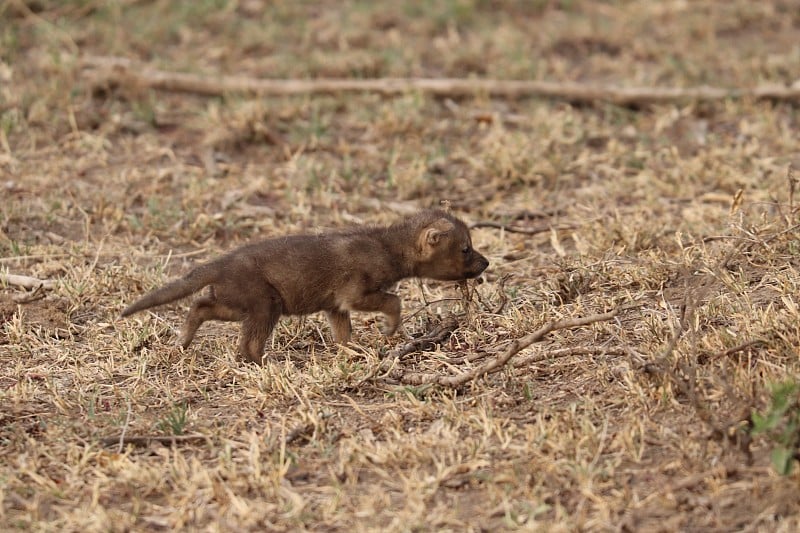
<point x="480" y="263"/>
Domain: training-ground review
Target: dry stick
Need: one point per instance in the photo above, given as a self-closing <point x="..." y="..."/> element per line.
<point x="517" y="229"/>
<point x="116" y="70"/>
<point x="539" y="213"/>
<point x="470" y="358"/>
<point x="501" y="290"/>
<point x="500" y="361"/>
<point x="736" y="349"/>
<point x="440" y="334"/>
<point x="125" y="428"/>
<point x="428" y="304"/>
<point x="300" y="431"/>
<point x="26" y="281"/>
<point x="29" y="297"/>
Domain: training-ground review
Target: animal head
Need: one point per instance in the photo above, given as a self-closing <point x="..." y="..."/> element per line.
<point x="444" y="249"/>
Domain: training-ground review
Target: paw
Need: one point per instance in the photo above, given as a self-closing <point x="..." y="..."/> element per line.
<point x="388" y="329"/>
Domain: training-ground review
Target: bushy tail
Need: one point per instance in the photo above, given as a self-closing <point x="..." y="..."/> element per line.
<point x="175" y="290"/>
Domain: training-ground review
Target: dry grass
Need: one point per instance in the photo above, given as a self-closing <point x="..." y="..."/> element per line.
<point x="639" y="423"/>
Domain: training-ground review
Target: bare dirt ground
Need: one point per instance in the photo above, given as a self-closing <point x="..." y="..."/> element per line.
<point x="682" y="216"/>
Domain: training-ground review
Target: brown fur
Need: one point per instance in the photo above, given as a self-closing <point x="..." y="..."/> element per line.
<point x="333" y="272"/>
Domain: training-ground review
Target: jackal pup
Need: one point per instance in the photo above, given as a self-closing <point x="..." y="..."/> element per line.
<point x="337" y="272"/>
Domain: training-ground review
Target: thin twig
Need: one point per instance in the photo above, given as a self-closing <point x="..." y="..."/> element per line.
<point x="125" y="428"/>
<point x="735" y="349"/>
<point x="529" y="214"/>
<point x="501" y="290"/>
<point x="303" y="430"/>
<point x="37" y="294"/>
<point x="469" y="358"/>
<point x="792" y="185"/>
<point x="428" y="304"/>
<point x="438" y="335"/>
<point x="532" y="230"/>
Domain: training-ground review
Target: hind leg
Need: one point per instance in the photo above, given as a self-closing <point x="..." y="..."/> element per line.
<point x="258" y="325"/>
<point x="206" y="308"/>
<point x="340" y="324"/>
<point x="255" y="332"/>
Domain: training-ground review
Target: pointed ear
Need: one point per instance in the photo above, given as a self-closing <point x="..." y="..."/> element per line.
<point x="432" y="234"/>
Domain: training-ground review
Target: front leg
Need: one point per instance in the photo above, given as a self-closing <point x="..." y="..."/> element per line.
<point x="340" y="324"/>
<point x="382" y="302"/>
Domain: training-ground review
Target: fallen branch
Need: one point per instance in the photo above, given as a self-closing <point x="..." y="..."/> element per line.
<point x="121" y="71"/>
<point x="501" y="360"/>
<point x="26" y="282"/>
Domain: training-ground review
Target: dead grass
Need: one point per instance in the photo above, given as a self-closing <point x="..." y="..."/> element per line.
<point x="638" y="423"/>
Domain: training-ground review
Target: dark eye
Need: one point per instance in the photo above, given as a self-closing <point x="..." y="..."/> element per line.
<point x="466" y="250"/>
